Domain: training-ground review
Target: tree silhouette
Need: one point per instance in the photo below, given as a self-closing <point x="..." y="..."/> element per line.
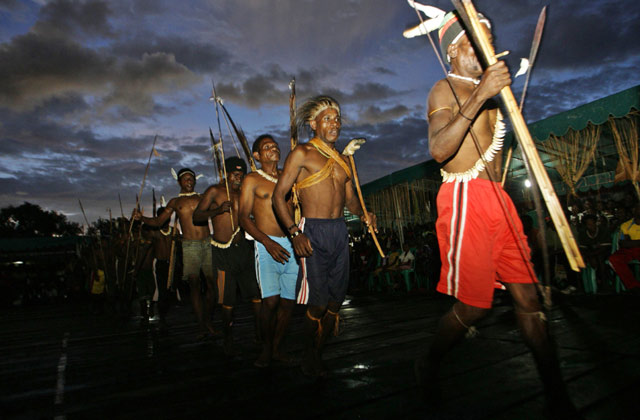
<point x="29" y="220"/>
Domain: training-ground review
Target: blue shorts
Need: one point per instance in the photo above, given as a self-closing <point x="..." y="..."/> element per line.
<point x="324" y="276"/>
<point x="275" y="278"/>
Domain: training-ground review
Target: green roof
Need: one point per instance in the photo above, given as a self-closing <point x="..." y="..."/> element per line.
<point x="596" y="112"/>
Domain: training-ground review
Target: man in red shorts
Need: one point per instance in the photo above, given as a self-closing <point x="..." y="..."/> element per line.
<point x="479" y="233"/>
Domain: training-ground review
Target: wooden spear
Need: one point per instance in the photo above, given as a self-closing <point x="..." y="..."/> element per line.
<point x="537" y="36"/>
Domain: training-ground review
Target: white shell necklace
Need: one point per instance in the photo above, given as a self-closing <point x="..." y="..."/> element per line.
<point x="476" y="82"/>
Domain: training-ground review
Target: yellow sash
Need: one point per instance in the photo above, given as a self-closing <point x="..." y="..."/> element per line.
<point x="322" y="174"/>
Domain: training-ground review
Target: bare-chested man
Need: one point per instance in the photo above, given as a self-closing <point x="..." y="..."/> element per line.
<point x="232" y="252"/>
<point x="276" y="266"/>
<point x="196" y="248"/>
<point x="323" y="183"/>
<point x="478" y="244"/>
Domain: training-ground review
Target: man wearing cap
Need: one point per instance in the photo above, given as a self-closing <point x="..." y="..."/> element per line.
<point x="479" y="244"/>
<point x="232" y="252"/>
<point x="276" y="266"/>
<point x="196" y="254"/>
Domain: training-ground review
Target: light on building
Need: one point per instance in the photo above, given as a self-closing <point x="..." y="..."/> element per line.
<point x="527" y="183"/>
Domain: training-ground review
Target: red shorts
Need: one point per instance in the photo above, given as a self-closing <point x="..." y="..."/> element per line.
<point x="478" y="245"/>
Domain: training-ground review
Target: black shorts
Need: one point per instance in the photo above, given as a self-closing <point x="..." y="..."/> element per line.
<point x="237" y="262"/>
<point x="324" y="276"/>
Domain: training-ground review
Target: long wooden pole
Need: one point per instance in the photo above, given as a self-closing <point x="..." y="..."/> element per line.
<point x="470" y="16"/>
<point x="364" y="207"/>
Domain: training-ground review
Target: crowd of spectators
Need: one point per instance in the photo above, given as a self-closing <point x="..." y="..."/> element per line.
<point x="595" y="219"/>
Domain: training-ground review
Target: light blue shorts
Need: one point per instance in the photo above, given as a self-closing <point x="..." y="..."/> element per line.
<point x="275" y="278"/>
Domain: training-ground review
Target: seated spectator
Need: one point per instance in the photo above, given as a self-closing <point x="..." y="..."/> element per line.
<point x="405" y="259"/>
<point x="629" y="250"/>
<point x="595" y="245"/>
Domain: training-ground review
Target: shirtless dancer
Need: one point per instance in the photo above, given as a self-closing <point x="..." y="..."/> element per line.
<point x="478" y="244"/>
<point x="323" y="182"/>
<point x="232" y="252"/>
<point x="196" y="249"/>
<point x="276" y="267"/>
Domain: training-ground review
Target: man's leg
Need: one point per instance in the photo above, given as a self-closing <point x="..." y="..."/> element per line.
<point x="210" y="304"/>
<point x="210" y="275"/>
<point x="256" y="305"/>
<point x="267" y="325"/>
<point x="227" y="323"/>
<point x="162" y="276"/>
<point x="452" y="327"/>
<point x="313" y="332"/>
<point x="197" y="302"/>
<point x="283" y="317"/>
<point x="532" y="323"/>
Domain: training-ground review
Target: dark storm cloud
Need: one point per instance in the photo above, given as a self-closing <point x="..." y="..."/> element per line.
<point x="9" y="4"/>
<point x="390" y="146"/>
<point x="36" y="68"/>
<point x="548" y="97"/>
<point x="63" y="18"/>
<point x="271" y="87"/>
<point x="197" y="56"/>
<point x="583" y="35"/>
<point x="384" y="71"/>
<point x="373" y="114"/>
<point x="370" y="92"/>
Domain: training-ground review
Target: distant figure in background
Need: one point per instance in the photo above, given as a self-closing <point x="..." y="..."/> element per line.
<point x="595" y="245"/>
<point x="629" y="250"/>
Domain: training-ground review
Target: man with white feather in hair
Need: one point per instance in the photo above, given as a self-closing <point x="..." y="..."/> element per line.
<point x="479" y="232"/>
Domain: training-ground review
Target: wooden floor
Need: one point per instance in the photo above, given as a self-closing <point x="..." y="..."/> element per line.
<point x="61" y="362"/>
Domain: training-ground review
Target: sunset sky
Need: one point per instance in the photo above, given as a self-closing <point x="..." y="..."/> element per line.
<point x="85" y="85"/>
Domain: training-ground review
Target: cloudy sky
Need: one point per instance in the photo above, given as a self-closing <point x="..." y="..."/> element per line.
<point x="85" y="85"/>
